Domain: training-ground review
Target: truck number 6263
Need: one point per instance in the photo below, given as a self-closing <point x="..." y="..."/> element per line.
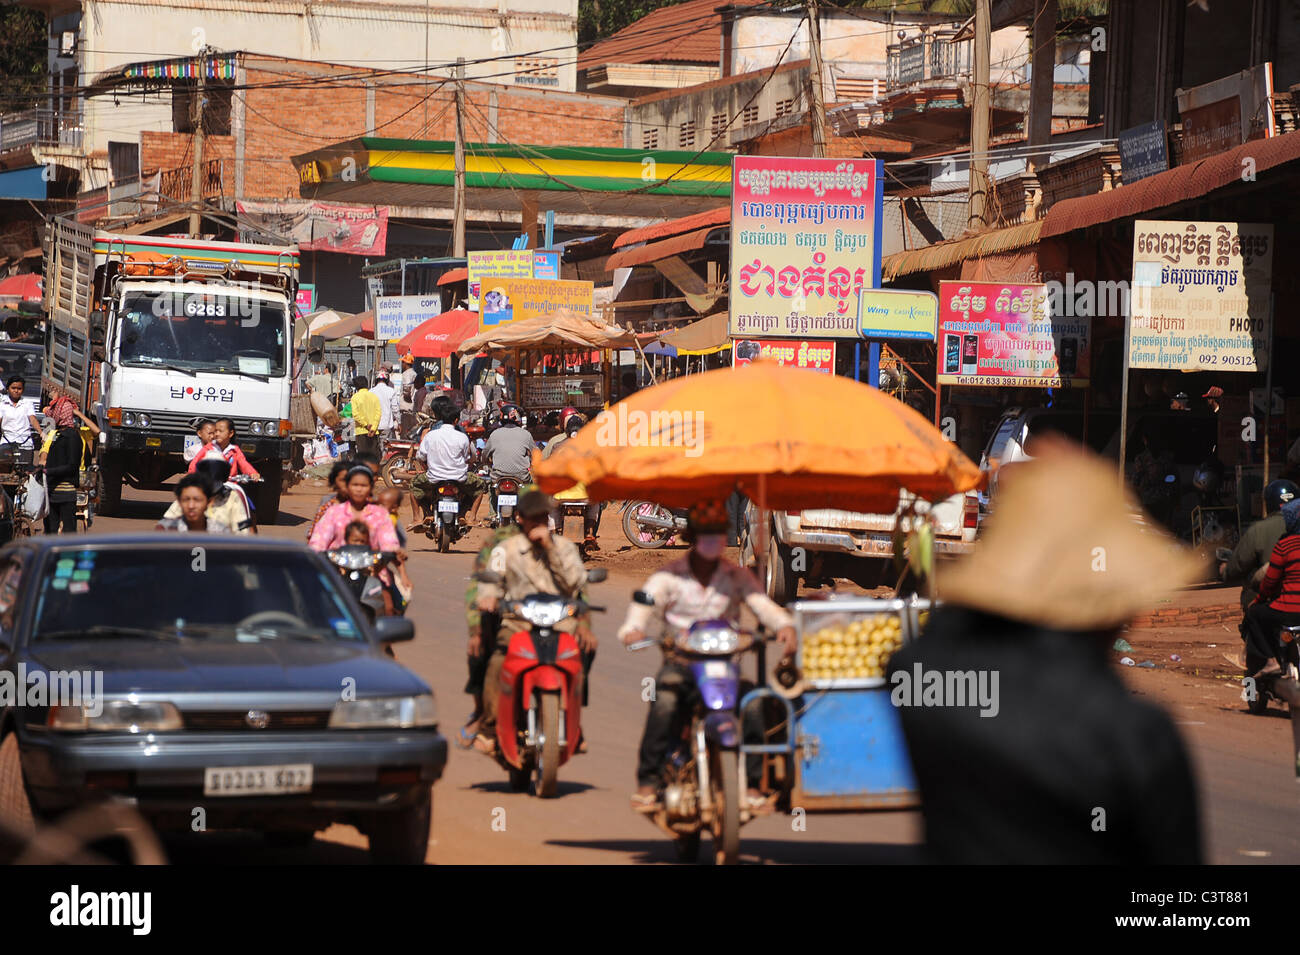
<point x="214" y="309"/>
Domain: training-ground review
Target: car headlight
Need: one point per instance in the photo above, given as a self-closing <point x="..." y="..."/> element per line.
<point x="391" y="712"/>
<point x="256" y="427"/>
<point x="271" y="427"/>
<point x="128" y="419"/>
<point x="142" y="420"/>
<point x="116" y="716"/>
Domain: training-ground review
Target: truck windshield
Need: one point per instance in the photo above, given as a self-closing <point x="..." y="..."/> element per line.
<point x="227" y="333"/>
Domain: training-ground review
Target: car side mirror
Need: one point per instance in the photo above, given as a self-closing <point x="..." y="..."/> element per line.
<point x="394" y="630"/>
<point x="597" y="575"/>
<point x="643" y="598"/>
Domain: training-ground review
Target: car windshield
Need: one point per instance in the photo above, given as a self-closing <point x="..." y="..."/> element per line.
<point x="227" y="333"/>
<point x="212" y="593"/>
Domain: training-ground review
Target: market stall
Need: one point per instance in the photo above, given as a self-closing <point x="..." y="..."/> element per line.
<point x="560" y="361"/>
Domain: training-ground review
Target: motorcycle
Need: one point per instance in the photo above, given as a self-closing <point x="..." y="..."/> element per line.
<point x="399" y="466"/>
<point x="505" y="497"/>
<point x="447" y="526"/>
<point x="539" y="715"/>
<point x="1272" y="686"/>
<point x="359" y="567"/>
<point x="649" y="525"/>
<point x="703" y="774"/>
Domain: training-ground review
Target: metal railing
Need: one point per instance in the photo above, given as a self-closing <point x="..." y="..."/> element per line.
<point x="927" y="57"/>
<point x="40" y="127"/>
<point x="176" y="183"/>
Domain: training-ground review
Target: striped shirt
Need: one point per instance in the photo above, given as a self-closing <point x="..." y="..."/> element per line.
<point x="1280" y="588"/>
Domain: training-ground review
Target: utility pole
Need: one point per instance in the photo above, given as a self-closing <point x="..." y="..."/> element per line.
<point x="818" y="94"/>
<point x="979" y="122"/>
<point x="197" y="110"/>
<point x="458" y="213"/>
<point x="1041" y="79"/>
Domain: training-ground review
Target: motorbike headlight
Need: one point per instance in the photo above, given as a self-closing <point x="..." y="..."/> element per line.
<point x="116" y="716"/>
<point x="545" y="613"/>
<point x="256" y="427"/>
<point x="712" y="640"/>
<point x="391" y="712"/>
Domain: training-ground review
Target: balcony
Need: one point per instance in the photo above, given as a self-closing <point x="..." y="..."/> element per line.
<point x="176" y="183"/>
<point x="40" y="128"/>
<point x="929" y="57"/>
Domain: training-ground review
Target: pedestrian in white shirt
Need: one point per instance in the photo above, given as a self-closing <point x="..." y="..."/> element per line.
<point x="388" y="411"/>
<point x="17" y="423"/>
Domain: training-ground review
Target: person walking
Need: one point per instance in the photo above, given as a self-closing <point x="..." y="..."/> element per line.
<point x="367" y="413"/>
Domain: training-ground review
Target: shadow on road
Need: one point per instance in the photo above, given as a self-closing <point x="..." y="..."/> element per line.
<point x="562" y="788"/>
<point x="797" y="850"/>
<point x="243" y="848"/>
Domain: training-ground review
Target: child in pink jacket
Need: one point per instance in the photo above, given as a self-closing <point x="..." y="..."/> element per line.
<point x="223" y="435"/>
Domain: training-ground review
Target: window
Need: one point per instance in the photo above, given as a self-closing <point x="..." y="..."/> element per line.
<point x="686" y="134"/>
<point x="649" y="139"/>
<point x="717" y="125"/>
<point x="9" y="578"/>
<point x="750" y="115"/>
<point x="537" y="71"/>
<point x="785" y="107"/>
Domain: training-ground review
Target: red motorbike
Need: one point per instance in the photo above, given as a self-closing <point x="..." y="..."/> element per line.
<point x="539" y="713"/>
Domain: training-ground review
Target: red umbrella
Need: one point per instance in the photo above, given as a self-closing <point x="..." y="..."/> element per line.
<point x="22" y="288"/>
<point x="440" y="336"/>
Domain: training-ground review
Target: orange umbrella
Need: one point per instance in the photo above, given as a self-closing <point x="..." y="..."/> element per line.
<point x="788" y="438"/>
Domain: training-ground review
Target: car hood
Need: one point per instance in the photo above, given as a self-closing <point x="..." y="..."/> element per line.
<point x="205" y="667"/>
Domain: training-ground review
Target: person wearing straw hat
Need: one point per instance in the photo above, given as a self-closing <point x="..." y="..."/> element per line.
<point x="1059" y="763"/>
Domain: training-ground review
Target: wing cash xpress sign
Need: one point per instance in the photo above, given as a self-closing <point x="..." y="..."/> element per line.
<point x="817" y="356"/>
<point x="1005" y="335"/>
<point x="805" y="240"/>
<point x="497" y="263"/>
<point x="1200" y="296"/>
<point x="502" y="301"/>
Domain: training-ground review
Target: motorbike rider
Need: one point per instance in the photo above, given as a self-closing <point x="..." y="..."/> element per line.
<point x="572" y="423"/>
<point x="445" y="453"/>
<point x="700" y="586"/>
<point x="228" y="504"/>
<point x="533" y="562"/>
<point x="509" y="451"/>
<point x="1277" y="604"/>
<point x="1249" y="559"/>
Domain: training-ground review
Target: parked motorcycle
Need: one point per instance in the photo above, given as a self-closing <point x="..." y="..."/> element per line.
<point x="649" y="525"/>
<point x="539" y="714"/>
<point x="703" y="775"/>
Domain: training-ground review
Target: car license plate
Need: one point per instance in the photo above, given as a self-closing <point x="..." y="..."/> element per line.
<point x="257" y="780"/>
<point x="451" y="506"/>
<point x="717" y="670"/>
<point x="506" y="500"/>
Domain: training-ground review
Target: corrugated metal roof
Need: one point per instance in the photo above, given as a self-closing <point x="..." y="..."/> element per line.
<point x="655" y="251"/>
<point x="1172" y="186"/>
<point x="950" y="253"/>
<point x="688" y="32"/>
<point x="718" y="216"/>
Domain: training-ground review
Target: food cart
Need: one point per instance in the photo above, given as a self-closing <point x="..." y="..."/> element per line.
<point x="846" y="748"/>
<point x="562" y="360"/>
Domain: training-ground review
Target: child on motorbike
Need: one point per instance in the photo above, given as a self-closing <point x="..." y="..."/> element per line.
<point x="390" y="498"/>
<point x="223" y="434"/>
<point x="357" y="534"/>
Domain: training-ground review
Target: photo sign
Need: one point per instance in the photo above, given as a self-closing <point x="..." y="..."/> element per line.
<point x="396" y="316"/>
<point x="496" y="263"/>
<point x="502" y="301"/>
<point x="992" y="334"/>
<point x="805" y="241"/>
<point x="817" y="356"/>
<point x="1200" y="298"/>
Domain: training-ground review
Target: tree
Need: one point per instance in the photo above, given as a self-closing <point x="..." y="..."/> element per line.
<point x="24" y="64"/>
<point x="598" y="19"/>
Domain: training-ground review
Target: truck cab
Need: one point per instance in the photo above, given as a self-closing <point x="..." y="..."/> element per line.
<point x="170" y="331"/>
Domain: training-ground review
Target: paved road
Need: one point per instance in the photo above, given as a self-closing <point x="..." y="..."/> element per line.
<point x="1250" y="796"/>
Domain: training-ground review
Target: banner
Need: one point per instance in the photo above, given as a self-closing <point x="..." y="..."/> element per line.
<point x="546" y="265"/>
<point x="315" y="226"/>
<point x="496" y="263"/>
<point x="1200" y="296"/>
<point x="1005" y="335"/>
<point x="817" y="356"/>
<point x="396" y="316"/>
<point x="897" y="313"/>
<point x="502" y="301"/>
<point x="305" y="300"/>
<point x="805" y="240"/>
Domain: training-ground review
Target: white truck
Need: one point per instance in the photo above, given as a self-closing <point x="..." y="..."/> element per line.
<point x="821" y="544"/>
<point x="154" y="333"/>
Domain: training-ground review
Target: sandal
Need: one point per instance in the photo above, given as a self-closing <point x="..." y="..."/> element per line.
<point x="485" y="744"/>
<point x="465" y="737"/>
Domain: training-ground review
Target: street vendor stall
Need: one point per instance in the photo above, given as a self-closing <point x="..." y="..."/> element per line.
<point x="562" y="360"/>
<point x="839" y="743"/>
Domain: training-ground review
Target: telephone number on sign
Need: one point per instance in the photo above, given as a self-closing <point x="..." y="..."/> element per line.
<point x="1228" y="361"/>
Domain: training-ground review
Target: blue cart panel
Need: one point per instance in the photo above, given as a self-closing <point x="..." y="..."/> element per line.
<point x="850" y="752"/>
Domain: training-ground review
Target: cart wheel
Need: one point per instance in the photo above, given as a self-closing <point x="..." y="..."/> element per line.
<point x="687" y="847"/>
